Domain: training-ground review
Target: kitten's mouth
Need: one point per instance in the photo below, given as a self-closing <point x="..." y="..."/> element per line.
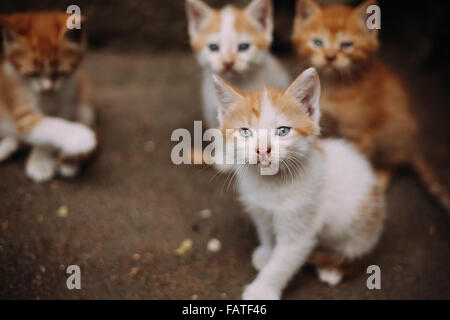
<point x="328" y="69"/>
<point x="229" y="73"/>
<point x="329" y="66"/>
<point x="47" y="91"/>
<point x="265" y="163"/>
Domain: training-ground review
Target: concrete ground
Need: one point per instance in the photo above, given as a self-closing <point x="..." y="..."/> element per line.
<point x="122" y="220"/>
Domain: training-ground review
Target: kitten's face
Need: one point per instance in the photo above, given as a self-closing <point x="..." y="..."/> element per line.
<point x="230" y="41"/>
<point x="271" y="126"/>
<point x="335" y="39"/>
<point x="41" y="49"/>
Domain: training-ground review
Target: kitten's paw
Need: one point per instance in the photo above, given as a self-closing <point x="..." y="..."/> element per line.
<point x="259" y="291"/>
<point x="40" y="169"/>
<point x="8" y="146"/>
<point x="260" y="256"/>
<point x="68" y="170"/>
<point x="330" y="276"/>
<point x="77" y="140"/>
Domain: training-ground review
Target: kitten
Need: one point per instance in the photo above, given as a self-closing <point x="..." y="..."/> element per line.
<point x="234" y="43"/>
<point x="41" y="94"/>
<point x="325" y="194"/>
<point x="368" y="101"/>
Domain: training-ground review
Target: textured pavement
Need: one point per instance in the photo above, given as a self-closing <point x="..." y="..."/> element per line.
<point x="123" y="218"/>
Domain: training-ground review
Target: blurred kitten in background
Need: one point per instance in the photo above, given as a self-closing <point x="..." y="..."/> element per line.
<point x="234" y="43"/>
<point x="43" y="99"/>
<point x="367" y="100"/>
<point x="324" y="204"/>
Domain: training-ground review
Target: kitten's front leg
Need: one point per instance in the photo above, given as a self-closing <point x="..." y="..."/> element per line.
<point x="8" y="146"/>
<point x="41" y="164"/>
<point x="85" y="113"/>
<point x="288" y="256"/>
<point x="263" y="223"/>
<point x="71" y="138"/>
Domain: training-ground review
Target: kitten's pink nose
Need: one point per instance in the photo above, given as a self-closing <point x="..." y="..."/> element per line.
<point x="330" y="57"/>
<point x="228" y="65"/>
<point x="46" y="85"/>
<point x="263" y="151"/>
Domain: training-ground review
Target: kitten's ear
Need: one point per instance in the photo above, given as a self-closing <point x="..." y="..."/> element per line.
<point x="227" y="96"/>
<point x="9" y="37"/>
<point x="305" y="10"/>
<point x="198" y="14"/>
<point x="261" y="12"/>
<point x="360" y="12"/>
<point x="306" y="92"/>
<point x="77" y="35"/>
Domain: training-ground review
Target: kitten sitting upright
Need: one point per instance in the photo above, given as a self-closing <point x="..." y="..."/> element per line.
<point x="234" y="43"/>
<point x="41" y="93"/>
<point x="366" y="98"/>
<point x="324" y="196"/>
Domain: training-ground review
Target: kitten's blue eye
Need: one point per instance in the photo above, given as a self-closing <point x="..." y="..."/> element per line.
<point x="243" y="46"/>
<point x="245" y="132"/>
<point x="346" y="44"/>
<point x="283" y="131"/>
<point x="318" y="42"/>
<point x="213" y="47"/>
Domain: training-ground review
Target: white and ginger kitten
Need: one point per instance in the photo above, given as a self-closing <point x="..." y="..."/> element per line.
<point x="234" y="43"/>
<point x="324" y="200"/>
<point x="43" y="100"/>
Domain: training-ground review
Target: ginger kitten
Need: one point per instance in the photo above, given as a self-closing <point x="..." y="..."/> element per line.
<point x="324" y="197"/>
<point x="42" y="94"/>
<point x="233" y="43"/>
<point x="368" y="101"/>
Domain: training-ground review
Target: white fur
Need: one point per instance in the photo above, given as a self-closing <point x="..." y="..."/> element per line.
<point x="68" y="170"/>
<point x="71" y="138"/>
<point x="8" y="146"/>
<point x="261" y="255"/>
<point x="40" y="165"/>
<point x="332" y="277"/>
<point x="318" y="207"/>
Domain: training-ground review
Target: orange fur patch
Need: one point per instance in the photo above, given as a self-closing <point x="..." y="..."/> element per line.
<point x="334" y="21"/>
<point x="325" y="259"/>
<point x="213" y="26"/>
<point x="41" y="44"/>
<point x="249" y="108"/>
<point x="243" y="24"/>
<point x="372" y="212"/>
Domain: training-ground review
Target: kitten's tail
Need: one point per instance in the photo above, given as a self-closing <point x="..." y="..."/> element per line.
<point x="431" y="182"/>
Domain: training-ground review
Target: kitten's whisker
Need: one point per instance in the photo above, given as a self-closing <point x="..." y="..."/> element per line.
<point x="216" y="174"/>
<point x="233" y="176"/>
<point x="290" y="169"/>
<point x="228" y="176"/>
<point x="239" y="176"/>
<point x="298" y="168"/>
